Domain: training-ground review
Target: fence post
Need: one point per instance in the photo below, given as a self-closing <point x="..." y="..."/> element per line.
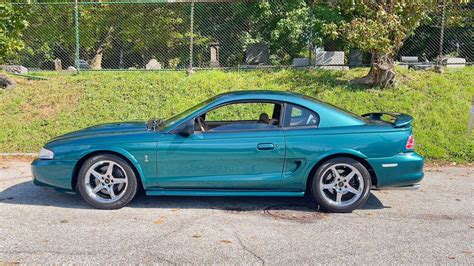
<point x="191" y="43"/>
<point x="76" y="25"/>
<point x="310" y="33"/>
<point x="441" y="37"/>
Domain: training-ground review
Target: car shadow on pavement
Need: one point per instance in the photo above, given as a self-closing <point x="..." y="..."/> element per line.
<point x="27" y="193"/>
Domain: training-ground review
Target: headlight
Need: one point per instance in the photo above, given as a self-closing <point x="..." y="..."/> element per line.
<point x="46" y="154"/>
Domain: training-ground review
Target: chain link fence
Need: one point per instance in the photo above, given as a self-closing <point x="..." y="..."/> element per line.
<point x="173" y="35"/>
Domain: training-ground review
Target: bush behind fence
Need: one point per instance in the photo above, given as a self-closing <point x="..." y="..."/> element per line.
<point x="211" y="34"/>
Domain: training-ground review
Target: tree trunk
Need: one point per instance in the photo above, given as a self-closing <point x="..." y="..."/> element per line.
<point x="96" y="62"/>
<point x="381" y="72"/>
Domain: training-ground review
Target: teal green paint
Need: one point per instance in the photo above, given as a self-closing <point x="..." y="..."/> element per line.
<point x="237" y="163"/>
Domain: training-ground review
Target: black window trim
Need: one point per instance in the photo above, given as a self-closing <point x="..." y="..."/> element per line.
<point x="298" y="127"/>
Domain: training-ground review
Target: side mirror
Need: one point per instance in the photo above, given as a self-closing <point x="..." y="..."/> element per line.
<point x="187" y="128"/>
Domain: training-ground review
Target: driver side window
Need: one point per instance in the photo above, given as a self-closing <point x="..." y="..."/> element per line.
<point x="241" y="116"/>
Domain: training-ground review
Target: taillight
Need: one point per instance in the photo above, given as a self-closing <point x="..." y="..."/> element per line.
<point x="410" y="143"/>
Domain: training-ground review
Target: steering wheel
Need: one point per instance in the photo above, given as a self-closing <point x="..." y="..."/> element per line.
<point x="201" y="123"/>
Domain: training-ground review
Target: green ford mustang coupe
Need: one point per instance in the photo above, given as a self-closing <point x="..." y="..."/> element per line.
<point x="245" y="143"/>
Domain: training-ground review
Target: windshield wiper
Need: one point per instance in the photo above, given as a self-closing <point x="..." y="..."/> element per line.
<point x="154" y="124"/>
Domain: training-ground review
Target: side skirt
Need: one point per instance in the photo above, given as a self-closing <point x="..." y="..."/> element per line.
<point x="220" y="193"/>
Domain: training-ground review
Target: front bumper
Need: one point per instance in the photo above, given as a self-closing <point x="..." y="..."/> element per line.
<point x="53" y="173"/>
<point x="401" y="170"/>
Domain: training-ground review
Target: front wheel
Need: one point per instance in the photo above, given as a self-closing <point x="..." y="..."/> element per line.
<point x="341" y="185"/>
<point x="107" y="182"/>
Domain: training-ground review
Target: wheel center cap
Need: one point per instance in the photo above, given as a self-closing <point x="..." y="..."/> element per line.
<point x="341" y="184"/>
<point x="107" y="181"/>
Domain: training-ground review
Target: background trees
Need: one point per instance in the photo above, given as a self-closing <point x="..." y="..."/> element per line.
<point x="121" y="36"/>
<point x="381" y="28"/>
<point x="12" y="23"/>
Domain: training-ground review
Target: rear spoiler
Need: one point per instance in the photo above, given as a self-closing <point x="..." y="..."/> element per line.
<point x="401" y="120"/>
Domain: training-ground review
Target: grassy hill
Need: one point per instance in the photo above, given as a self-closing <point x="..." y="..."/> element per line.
<point x="37" y="110"/>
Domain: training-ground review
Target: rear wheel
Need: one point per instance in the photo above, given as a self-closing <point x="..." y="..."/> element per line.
<point x="341" y="185"/>
<point x="107" y="182"/>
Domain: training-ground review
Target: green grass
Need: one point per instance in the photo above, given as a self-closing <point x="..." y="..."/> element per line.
<point x="37" y="110"/>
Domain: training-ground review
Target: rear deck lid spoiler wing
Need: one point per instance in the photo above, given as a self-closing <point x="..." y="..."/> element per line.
<point x="399" y="119"/>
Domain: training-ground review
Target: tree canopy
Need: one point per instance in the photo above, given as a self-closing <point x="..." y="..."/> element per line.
<point x="12" y="23"/>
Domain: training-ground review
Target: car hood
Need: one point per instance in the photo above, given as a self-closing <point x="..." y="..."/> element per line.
<point x="106" y="129"/>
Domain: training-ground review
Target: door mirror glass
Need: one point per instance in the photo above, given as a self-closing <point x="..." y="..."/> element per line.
<point x="187" y="128"/>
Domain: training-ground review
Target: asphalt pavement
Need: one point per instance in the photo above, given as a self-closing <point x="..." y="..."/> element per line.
<point x="434" y="224"/>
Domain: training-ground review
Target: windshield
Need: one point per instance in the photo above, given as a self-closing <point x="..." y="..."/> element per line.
<point x="172" y="120"/>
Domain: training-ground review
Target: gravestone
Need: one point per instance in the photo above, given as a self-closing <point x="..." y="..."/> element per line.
<point x="57" y="64"/>
<point x="72" y="70"/>
<point x="300" y="61"/>
<point x="406" y="61"/>
<point x="214" y="54"/>
<point x="257" y="54"/>
<point x="356" y="58"/>
<point x="153" y="64"/>
<point x="409" y="59"/>
<point x="454" y="62"/>
<point x="83" y="64"/>
<point x="330" y="60"/>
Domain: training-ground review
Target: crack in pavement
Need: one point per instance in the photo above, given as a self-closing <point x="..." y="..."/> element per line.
<point x="247" y="249"/>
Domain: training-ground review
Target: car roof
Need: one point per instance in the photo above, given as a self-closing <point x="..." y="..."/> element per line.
<point x="253" y="93"/>
<point x="330" y="116"/>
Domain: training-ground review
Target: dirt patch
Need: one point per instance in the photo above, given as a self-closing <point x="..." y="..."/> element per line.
<point x="5" y="161"/>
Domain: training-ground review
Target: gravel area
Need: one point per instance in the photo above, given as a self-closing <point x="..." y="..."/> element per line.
<point x="432" y="225"/>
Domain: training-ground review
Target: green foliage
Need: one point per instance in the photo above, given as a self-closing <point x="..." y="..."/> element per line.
<point x="132" y="34"/>
<point x="36" y="111"/>
<point x="458" y="33"/>
<point x="287" y="27"/>
<point x="12" y="23"/>
<point x="379" y="27"/>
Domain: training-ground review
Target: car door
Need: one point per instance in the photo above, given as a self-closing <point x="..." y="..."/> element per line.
<point x="302" y="144"/>
<point x="247" y="159"/>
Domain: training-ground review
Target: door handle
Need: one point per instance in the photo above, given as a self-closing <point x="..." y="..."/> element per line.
<point x="265" y="146"/>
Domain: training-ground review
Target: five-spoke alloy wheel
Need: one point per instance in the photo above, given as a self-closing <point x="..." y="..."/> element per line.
<point x="107" y="182"/>
<point x="341" y="185"/>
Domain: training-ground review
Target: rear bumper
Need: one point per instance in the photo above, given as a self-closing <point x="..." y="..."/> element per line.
<point x="401" y="170"/>
<point x="53" y="173"/>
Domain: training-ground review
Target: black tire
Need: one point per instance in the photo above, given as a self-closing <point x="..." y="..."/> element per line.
<point x="322" y="172"/>
<point x="128" y="192"/>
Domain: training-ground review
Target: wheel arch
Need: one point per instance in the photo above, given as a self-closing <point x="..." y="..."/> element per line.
<point x="128" y="158"/>
<point x="360" y="159"/>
